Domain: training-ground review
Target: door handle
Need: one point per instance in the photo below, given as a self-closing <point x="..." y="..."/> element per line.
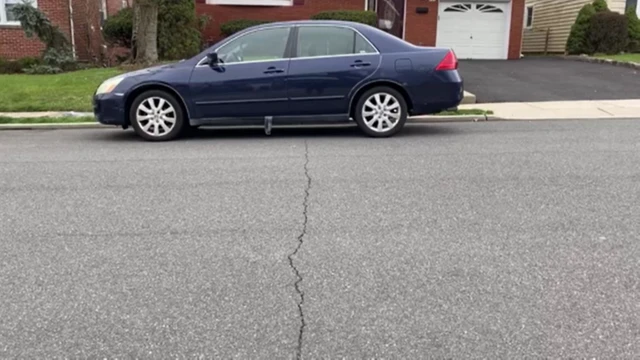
<point x="359" y="63"/>
<point x="273" y="70"/>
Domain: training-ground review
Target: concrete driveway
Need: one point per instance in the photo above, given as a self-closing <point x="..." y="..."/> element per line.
<point x="501" y="240"/>
<point x="548" y="79"/>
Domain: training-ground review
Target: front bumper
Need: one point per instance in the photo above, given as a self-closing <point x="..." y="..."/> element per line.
<point x="109" y="109"/>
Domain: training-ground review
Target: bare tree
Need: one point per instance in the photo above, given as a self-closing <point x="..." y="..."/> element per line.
<point x="145" y="31"/>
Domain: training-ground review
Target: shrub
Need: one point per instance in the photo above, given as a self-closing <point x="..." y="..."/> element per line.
<point x="231" y="27"/>
<point x="43" y="69"/>
<point x="27" y="62"/>
<point x="57" y="53"/>
<point x="118" y="28"/>
<point x="633" y="29"/>
<point x="179" y="29"/>
<point x="9" y="67"/>
<point x="600" y="5"/>
<point x="18" y="66"/>
<point x="364" y="17"/>
<point x="578" y="43"/>
<point x="608" y="32"/>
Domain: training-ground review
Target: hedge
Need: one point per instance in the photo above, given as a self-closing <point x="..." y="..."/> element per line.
<point x="633" y="29"/>
<point x="233" y="26"/>
<point x="577" y="42"/>
<point x="18" y="66"/>
<point x="608" y="32"/>
<point x="364" y="17"/>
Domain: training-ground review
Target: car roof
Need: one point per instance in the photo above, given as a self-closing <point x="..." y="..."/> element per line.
<point x="314" y="22"/>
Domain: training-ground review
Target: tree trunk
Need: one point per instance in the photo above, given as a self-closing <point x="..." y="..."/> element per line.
<point x="145" y="31"/>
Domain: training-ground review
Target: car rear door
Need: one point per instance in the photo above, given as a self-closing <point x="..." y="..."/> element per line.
<point x="250" y="79"/>
<point x="327" y="63"/>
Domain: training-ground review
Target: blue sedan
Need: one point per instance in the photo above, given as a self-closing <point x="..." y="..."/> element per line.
<point x="287" y="73"/>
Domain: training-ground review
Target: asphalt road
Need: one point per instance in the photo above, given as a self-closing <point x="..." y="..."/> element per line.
<point x="547" y="79"/>
<point x="468" y="240"/>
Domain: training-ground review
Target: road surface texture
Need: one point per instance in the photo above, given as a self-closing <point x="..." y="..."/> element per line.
<point x="488" y="239"/>
<point x="547" y="79"/>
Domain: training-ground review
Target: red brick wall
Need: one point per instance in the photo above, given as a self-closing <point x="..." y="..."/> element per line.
<point x="421" y="28"/>
<point x="220" y="13"/>
<point x="515" y="33"/>
<point x="14" y="44"/>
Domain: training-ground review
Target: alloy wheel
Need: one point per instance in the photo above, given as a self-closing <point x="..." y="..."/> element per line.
<point x="381" y="112"/>
<point x="156" y="116"/>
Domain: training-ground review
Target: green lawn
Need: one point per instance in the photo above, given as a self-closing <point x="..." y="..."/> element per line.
<point x="622" y="57"/>
<point x="61" y="92"/>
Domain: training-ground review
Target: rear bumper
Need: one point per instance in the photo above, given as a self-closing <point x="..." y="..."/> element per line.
<point x="446" y="92"/>
<point x="109" y="109"/>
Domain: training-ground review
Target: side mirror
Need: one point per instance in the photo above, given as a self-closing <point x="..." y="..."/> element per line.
<point x="213" y="58"/>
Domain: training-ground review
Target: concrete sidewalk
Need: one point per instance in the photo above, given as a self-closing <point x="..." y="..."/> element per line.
<point x="590" y="109"/>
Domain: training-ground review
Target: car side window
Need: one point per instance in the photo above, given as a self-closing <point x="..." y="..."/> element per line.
<point x="267" y="44"/>
<point x="316" y="41"/>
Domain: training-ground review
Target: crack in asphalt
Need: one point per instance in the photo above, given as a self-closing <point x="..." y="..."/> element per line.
<point x="296" y="285"/>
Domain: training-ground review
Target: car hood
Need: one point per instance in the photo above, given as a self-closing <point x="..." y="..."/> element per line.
<point x="151" y="70"/>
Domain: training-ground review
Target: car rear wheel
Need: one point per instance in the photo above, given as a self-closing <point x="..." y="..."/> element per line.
<point x="381" y="112"/>
<point x="157" y="116"/>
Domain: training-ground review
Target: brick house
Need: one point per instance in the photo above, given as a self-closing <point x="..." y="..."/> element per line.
<point x="79" y="20"/>
<point x="474" y="29"/>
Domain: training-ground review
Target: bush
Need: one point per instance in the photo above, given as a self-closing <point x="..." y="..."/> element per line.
<point x="608" y="33"/>
<point x="600" y="5"/>
<point x="118" y="28"/>
<point x="57" y="55"/>
<point x="179" y="29"/>
<point x="9" y="67"/>
<point x="578" y="43"/>
<point x="364" y="17"/>
<point x="233" y="26"/>
<point x="17" y="66"/>
<point x="43" y="69"/>
<point x="633" y="29"/>
<point x="27" y="62"/>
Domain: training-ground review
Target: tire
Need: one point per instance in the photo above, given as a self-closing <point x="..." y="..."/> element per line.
<point x="381" y="122"/>
<point x="150" y="123"/>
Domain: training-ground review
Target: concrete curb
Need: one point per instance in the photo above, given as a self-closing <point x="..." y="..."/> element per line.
<point x="61" y="126"/>
<point x="415" y="120"/>
<point x="589" y="59"/>
<point x="92" y="125"/>
<point x="452" y="118"/>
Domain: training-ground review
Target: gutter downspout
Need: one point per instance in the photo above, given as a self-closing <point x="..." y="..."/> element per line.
<point x="71" y="26"/>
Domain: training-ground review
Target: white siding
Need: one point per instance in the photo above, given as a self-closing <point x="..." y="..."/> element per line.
<point x="556" y="18"/>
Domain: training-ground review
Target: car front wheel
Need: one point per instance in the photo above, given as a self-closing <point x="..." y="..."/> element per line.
<point x="381" y="112"/>
<point x="157" y="116"/>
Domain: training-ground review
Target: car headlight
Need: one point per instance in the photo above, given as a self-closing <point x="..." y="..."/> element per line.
<point x="108" y="85"/>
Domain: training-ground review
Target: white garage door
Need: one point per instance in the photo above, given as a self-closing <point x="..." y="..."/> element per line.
<point x="474" y="30"/>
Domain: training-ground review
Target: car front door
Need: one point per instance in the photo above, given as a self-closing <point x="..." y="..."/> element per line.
<point x="249" y="80"/>
<point x="328" y="62"/>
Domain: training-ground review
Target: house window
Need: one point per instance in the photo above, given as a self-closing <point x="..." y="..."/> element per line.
<point x="6" y="11"/>
<point x="528" y="17"/>
<point x="371" y="5"/>
<point x="251" y="2"/>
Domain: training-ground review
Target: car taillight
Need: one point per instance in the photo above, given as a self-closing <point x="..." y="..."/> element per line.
<point x="450" y="62"/>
